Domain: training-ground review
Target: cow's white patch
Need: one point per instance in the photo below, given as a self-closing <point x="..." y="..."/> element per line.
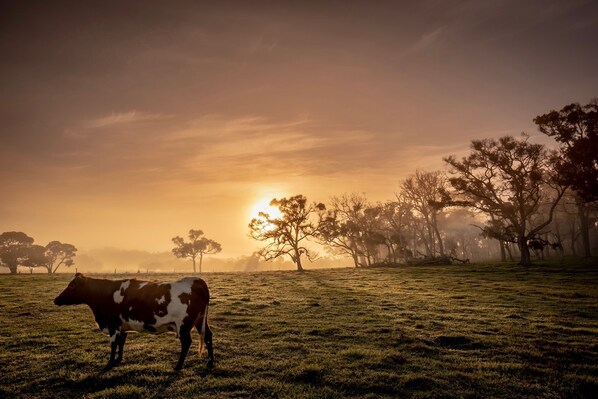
<point x="113" y="337"/>
<point x="176" y="310"/>
<point x="131" y="309"/>
<point x="142" y="285"/>
<point x="131" y="325"/>
<point x="161" y="300"/>
<point x="104" y="330"/>
<point x="118" y="295"/>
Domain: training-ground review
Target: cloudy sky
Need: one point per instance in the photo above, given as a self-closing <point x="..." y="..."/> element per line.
<point x="125" y="123"/>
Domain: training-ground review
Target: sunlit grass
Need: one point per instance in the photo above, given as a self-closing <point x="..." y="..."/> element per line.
<point x="443" y="331"/>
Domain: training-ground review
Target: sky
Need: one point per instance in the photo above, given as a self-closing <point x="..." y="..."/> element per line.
<point x="124" y="124"/>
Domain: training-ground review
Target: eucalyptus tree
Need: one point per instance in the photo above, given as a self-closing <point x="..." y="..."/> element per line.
<point x="427" y="194"/>
<point x="575" y="128"/>
<point x="287" y="234"/>
<point x="513" y="181"/>
<point x="197" y="246"/>
<point x="13" y="249"/>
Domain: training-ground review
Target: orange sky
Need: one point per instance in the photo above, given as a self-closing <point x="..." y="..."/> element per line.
<point x="124" y="125"/>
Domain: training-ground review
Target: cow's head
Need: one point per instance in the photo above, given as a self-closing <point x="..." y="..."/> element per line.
<point x="73" y="294"/>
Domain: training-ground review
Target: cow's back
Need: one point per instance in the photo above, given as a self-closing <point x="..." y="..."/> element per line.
<point x="161" y="306"/>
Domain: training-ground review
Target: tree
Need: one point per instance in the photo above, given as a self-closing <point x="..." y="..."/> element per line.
<point x="575" y="128"/>
<point x="512" y="180"/>
<point x="427" y="193"/>
<point x="13" y="249"/>
<point x="58" y="254"/>
<point x="286" y="235"/>
<point x="339" y="227"/>
<point x="198" y="245"/>
<point x="34" y="256"/>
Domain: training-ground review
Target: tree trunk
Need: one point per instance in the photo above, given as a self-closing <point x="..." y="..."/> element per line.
<point x="584" y="226"/>
<point x="438" y="236"/>
<point x="525" y="255"/>
<point x="355" y="259"/>
<point x="200" y="262"/>
<point x="12" y="268"/>
<point x="194" y="270"/>
<point x="298" y="263"/>
<point x="508" y="248"/>
<point x="432" y="242"/>
<point x="503" y="254"/>
<point x="573" y="234"/>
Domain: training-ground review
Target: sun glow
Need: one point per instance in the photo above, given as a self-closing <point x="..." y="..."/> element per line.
<point x="263" y="205"/>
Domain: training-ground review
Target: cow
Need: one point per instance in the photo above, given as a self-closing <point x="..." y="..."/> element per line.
<point x="121" y="306"/>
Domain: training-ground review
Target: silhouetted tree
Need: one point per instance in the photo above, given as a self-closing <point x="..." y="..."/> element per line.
<point x="396" y="217"/>
<point x="34" y="256"/>
<point x="198" y="245"/>
<point x="575" y="128"/>
<point x="58" y="254"/>
<point x="286" y="235"/>
<point x="339" y="228"/>
<point x="13" y="249"/>
<point x="512" y="180"/>
<point x="427" y="194"/>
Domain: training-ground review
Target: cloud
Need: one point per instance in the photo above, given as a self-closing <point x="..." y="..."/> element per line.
<point x="245" y="148"/>
<point x="427" y="39"/>
<point x="123" y="118"/>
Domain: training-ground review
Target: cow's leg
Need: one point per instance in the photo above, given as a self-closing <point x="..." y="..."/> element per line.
<point x="114" y="337"/>
<point x="121" y="345"/>
<point x="185" y="337"/>
<point x="208" y="341"/>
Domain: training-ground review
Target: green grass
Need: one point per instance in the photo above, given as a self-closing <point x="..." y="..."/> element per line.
<point x="443" y="331"/>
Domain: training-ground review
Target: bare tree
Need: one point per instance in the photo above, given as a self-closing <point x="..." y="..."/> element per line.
<point x="198" y="245"/>
<point x="287" y="234"/>
<point x="339" y="227"/>
<point x="512" y="180"/>
<point x="427" y="193"/>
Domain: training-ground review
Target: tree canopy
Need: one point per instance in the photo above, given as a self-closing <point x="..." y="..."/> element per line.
<point x="286" y="235"/>
<point x="198" y="245"/>
<point x="575" y="128"/>
<point x="13" y="249"/>
<point x="511" y="180"/>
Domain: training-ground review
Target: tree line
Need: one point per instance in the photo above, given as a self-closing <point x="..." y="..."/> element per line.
<point x="519" y="194"/>
<point x="515" y="192"/>
<point x="18" y="249"/>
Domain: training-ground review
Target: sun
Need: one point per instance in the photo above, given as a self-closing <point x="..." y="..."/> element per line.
<point x="263" y="205"/>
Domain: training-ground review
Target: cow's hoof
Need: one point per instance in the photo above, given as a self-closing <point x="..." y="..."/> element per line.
<point x="210" y="363"/>
<point x="108" y="367"/>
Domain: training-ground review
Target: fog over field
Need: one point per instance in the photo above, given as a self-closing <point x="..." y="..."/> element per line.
<point x="124" y="124"/>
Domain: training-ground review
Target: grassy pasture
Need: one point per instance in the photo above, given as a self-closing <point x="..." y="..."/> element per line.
<point x="442" y="331"/>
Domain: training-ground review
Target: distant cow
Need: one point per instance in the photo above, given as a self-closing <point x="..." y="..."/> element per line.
<point x="120" y="306"/>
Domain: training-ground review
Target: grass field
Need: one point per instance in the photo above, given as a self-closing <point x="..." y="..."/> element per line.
<point x="496" y="331"/>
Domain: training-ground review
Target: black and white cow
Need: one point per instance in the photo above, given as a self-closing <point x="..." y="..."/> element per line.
<point x="120" y="306"/>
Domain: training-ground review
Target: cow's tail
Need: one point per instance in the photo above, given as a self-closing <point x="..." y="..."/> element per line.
<point x="202" y="331"/>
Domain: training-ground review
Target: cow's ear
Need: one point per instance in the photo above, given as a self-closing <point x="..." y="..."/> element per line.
<point x="78" y="274"/>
